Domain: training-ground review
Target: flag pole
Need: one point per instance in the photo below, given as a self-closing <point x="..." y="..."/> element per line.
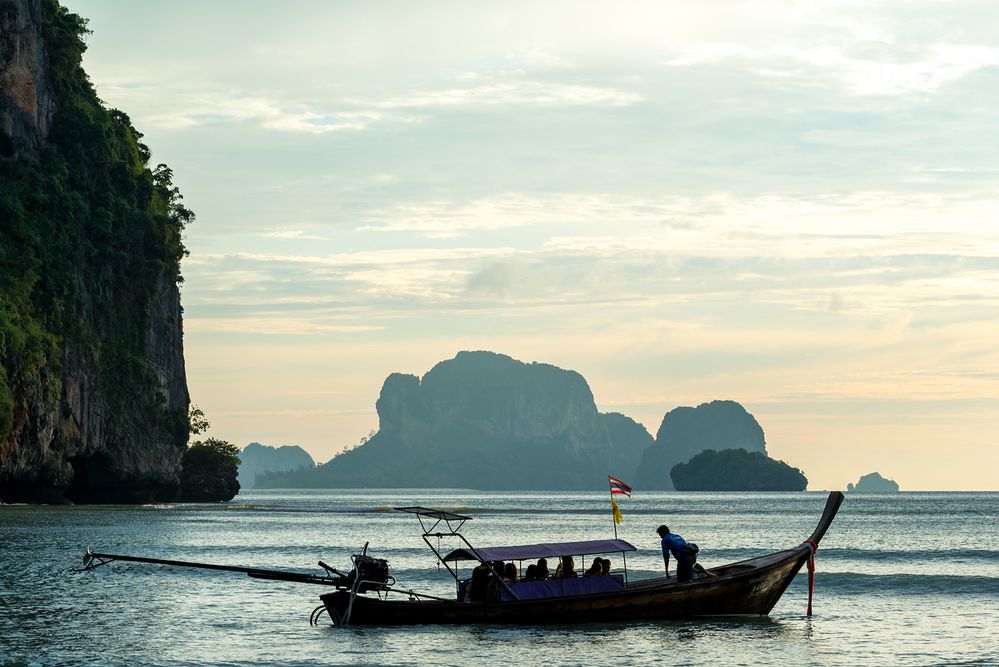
<point x="614" y="516"/>
<point x="613" y="521"/>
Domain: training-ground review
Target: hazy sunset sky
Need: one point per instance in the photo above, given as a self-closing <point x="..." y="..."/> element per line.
<point x="793" y="205"/>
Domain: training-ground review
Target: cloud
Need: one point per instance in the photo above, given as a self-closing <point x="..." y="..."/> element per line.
<point x="923" y="73"/>
<point x="858" y="68"/>
<point x="443" y="219"/>
<point x="199" y="109"/>
<point x="717" y="225"/>
<point x="192" y="107"/>
<point x="272" y="325"/>
<point x="294" y="234"/>
<point x="536" y="58"/>
<point x="511" y="93"/>
<point x="869" y="253"/>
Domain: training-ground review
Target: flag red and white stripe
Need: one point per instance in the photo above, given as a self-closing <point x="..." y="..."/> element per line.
<point x="617" y="486"/>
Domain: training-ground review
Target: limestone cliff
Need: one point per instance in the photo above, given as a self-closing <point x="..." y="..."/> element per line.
<point x="93" y="391"/>
<point x="27" y="100"/>
<point x="487" y="421"/>
<point x="257" y="460"/>
<point x="687" y="431"/>
<point x="630" y="441"/>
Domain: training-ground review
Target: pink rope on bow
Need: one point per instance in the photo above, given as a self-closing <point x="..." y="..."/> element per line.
<point x="811" y="573"/>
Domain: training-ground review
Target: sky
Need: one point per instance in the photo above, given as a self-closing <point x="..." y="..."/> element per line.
<point x="792" y="205"/>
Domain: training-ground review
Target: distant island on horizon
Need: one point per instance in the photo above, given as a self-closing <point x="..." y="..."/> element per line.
<point x="257" y="460"/>
<point x="484" y="420"/>
<point x="873" y="483"/>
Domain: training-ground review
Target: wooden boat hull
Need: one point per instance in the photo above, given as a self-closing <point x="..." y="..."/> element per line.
<point x="750" y="588"/>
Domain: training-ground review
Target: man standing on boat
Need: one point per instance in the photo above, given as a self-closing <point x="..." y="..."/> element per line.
<point x="684" y="552"/>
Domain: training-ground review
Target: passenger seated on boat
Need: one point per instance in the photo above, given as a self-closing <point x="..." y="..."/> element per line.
<point x="596" y="569"/>
<point x="560" y="588"/>
<point x="479" y="583"/>
<point x="605" y="566"/>
<point x="494" y="586"/>
<point x="510" y="572"/>
<point x="543" y="572"/>
<point x="463" y="588"/>
<point x="531" y="573"/>
<point x="566" y="568"/>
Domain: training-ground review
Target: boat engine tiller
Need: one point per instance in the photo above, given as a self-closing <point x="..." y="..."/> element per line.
<point x="372" y="572"/>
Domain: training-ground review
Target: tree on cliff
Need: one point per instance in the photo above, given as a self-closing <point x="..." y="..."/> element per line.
<point x="210" y="465"/>
<point x="736" y="470"/>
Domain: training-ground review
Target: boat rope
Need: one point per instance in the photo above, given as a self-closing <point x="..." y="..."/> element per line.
<point x="812" y="547"/>
<point x="316" y="613"/>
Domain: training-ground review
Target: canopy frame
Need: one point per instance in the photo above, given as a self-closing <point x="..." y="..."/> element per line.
<point x="438" y="516"/>
<point x="453" y="522"/>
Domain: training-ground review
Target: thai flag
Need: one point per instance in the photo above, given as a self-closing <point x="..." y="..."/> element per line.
<point x="617" y="486"/>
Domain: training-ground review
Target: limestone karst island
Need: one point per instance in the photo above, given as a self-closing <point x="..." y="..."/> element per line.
<point x="474" y="420"/>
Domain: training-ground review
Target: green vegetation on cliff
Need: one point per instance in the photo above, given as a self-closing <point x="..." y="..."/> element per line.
<point x="736" y="470"/>
<point x="88" y="231"/>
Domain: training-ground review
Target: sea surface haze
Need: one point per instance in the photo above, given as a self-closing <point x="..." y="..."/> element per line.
<point x="905" y="579"/>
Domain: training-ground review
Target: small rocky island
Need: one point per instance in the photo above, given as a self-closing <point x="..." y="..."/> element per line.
<point x="736" y="470"/>
<point x="717" y="446"/>
<point x="873" y="483"/>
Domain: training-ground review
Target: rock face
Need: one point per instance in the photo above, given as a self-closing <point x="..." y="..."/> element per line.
<point x="686" y="431"/>
<point x="873" y="483"/>
<point x="483" y="420"/>
<point x="27" y="100"/>
<point x="209" y="484"/>
<point x="257" y="459"/>
<point x="93" y="390"/>
<point x="630" y="441"/>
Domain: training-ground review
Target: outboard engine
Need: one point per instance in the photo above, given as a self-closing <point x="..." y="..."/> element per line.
<point x="373" y="574"/>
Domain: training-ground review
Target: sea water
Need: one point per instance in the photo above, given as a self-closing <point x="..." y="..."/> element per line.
<point x="904" y="579"/>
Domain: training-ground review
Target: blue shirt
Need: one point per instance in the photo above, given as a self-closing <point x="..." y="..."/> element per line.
<point x="672" y="543"/>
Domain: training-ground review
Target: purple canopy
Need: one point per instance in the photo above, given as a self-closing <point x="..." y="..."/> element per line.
<point x="552" y="550"/>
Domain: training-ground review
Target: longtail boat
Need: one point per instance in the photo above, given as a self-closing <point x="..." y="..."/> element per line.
<point x="749" y="587"/>
<point x="367" y="595"/>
